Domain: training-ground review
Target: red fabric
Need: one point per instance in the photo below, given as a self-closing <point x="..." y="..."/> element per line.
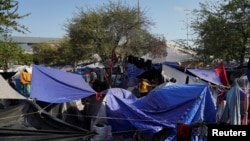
<point x="114" y="56"/>
<point x="98" y="96"/>
<point x="221" y="72"/>
<point x="220" y="97"/>
<point x="111" y="64"/>
<point x="246" y="103"/>
<point x="184" y="132"/>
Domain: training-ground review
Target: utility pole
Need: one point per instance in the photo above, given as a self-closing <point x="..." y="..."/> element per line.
<point x="138" y="4"/>
<point x="187" y="31"/>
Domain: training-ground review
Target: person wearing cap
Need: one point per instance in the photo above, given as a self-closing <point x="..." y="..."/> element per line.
<point x="25" y="79"/>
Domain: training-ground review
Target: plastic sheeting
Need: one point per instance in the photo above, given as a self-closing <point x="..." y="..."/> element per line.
<point x="56" y="86"/>
<point x="133" y="71"/>
<point x="7" y="92"/>
<point x="181" y="77"/>
<point x="28" y="122"/>
<point x="162" y="107"/>
<point x="207" y="75"/>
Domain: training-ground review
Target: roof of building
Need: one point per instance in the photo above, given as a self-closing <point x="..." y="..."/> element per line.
<point x="20" y="39"/>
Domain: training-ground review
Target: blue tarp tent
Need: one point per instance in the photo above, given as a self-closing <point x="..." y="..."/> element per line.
<point x="56" y="86"/>
<point x="133" y="71"/>
<point x="161" y="108"/>
<point x="207" y="75"/>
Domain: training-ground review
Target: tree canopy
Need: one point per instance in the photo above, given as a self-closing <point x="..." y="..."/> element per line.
<point x="108" y="27"/>
<point x="9" y="17"/>
<point x="10" y="51"/>
<point x="223" y="30"/>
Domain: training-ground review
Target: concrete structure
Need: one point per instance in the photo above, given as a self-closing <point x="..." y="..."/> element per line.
<point x="26" y="43"/>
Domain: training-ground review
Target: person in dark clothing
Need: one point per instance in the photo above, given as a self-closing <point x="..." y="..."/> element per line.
<point x="97" y="84"/>
<point x="12" y="83"/>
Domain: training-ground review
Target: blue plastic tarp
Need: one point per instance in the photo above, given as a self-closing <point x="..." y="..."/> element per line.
<point x="207" y="75"/>
<point x="133" y="71"/>
<point x="56" y="86"/>
<point x="162" y="107"/>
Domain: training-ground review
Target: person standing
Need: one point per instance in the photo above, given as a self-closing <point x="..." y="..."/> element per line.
<point x="25" y="78"/>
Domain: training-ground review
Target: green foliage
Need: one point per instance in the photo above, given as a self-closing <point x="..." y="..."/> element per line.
<point x="44" y="53"/>
<point x="64" y="52"/>
<point x="108" y="27"/>
<point x="223" y="30"/>
<point x="25" y="59"/>
<point x="9" y="52"/>
<point x="9" y="17"/>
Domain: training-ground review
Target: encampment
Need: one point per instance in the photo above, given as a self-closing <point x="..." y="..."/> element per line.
<point x="62" y="102"/>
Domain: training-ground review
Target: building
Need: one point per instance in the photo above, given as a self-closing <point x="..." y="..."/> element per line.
<point x="26" y="43"/>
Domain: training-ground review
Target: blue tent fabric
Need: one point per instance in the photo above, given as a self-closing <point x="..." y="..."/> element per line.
<point x="157" y="66"/>
<point x="162" y="107"/>
<point x="129" y="82"/>
<point x="175" y="65"/>
<point x="133" y="71"/>
<point x="56" y="86"/>
<point x="207" y="75"/>
<point x="231" y="112"/>
<point x="248" y="74"/>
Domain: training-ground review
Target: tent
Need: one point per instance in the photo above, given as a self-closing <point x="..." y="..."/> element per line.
<point x="133" y="71"/>
<point x="161" y="108"/>
<point x="35" y="119"/>
<point x="236" y="109"/>
<point x="192" y="75"/>
<point x="206" y="74"/>
<point x="56" y="86"/>
<point x="175" y="71"/>
<point x="8" y="95"/>
<point x="7" y="75"/>
<point x="95" y="65"/>
<point x="28" y="121"/>
<point x="7" y="92"/>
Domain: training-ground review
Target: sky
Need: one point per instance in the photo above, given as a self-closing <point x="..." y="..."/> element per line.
<point x="48" y="17"/>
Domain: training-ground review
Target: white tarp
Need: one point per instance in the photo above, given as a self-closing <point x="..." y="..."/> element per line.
<point x="95" y="65"/>
<point x="169" y="72"/>
<point x="7" y="92"/>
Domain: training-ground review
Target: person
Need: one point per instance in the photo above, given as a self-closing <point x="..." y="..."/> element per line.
<point x="12" y="83"/>
<point x="144" y="87"/>
<point x="97" y="84"/>
<point x="25" y="78"/>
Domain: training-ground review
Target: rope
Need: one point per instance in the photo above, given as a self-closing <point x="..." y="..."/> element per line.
<point x="102" y="117"/>
<point x="19" y="115"/>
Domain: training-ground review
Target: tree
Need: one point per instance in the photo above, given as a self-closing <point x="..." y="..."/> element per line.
<point x="64" y="52"/>
<point x="44" y="53"/>
<point x="222" y="30"/>
<point x="25" y="59"/>
<point x="109" y="27"/>
<point x="9" y="17"/>
<point x="9" y="52"/>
